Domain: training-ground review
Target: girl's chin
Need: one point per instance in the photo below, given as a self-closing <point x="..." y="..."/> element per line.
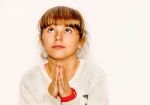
<point x="58" y="57"/>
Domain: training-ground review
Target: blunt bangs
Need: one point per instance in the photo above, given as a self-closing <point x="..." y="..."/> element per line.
<point x="62" y="15"/>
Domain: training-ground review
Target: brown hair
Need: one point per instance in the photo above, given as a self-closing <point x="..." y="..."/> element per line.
<point x="63" y="15"/>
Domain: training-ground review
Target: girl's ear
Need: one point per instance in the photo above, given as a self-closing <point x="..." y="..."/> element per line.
<point x="82" y="42"/>
<point x="79" y="45"/>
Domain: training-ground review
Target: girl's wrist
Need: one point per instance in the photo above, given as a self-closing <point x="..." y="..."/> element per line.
<point x="70" y="97"/>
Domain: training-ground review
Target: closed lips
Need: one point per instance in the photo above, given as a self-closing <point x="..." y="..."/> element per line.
<point x="58" y="46"/>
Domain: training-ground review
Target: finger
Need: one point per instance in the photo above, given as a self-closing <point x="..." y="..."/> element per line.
<point x="58" y="64"/>
<point x="60" y="85"/>
<point x="64" y="77"/>
<point x="61" y="77"/>
<point x="56" y="73"/>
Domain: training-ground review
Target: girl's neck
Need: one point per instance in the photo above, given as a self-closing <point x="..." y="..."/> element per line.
<point x="69" y="65"/>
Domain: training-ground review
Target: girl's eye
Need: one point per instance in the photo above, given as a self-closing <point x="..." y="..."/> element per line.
<point x="68" y="30"/>
<point x="50" y="29"/>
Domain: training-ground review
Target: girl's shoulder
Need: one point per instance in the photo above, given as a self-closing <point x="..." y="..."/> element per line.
<point x="32" y="75"/>
<point x="94" y="71"/>
<point x="91" y="75"/>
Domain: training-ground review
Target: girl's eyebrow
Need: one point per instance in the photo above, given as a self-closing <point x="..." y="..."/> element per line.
<point x="69" y="26"/>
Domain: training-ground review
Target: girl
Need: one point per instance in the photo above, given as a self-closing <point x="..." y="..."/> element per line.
<point x="64" y="79"/>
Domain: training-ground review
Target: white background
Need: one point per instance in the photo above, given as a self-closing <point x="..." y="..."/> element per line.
<point x="120" y="44"/>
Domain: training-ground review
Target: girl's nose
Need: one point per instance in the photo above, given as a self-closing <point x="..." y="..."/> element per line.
<point x="59" y="37"/>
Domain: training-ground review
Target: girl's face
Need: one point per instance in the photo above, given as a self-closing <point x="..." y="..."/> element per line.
<point x="60" y="41"/>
